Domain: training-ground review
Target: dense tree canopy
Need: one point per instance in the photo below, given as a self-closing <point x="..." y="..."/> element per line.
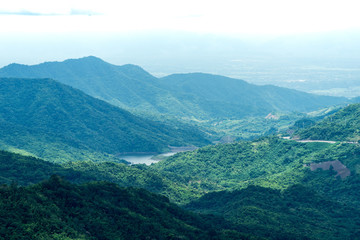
<point x="56" y="122"/>
<point x="56" y="209"/>
<point x="341" y="126"/>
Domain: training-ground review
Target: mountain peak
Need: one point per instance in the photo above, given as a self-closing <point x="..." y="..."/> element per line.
<point x="132" y="67"/>
<point x="88" y="59"/>
<point x="92" y="58"/>
<point x="136" y="72"/>
<point x="13" y="66"/>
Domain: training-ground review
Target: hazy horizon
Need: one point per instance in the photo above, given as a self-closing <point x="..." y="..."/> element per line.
<point x="306" y="45"/>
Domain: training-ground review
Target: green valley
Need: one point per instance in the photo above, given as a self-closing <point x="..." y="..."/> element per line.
<point x="63" y="177"/>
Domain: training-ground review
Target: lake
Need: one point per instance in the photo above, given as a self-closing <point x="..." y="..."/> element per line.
<point x="146" y="159"/>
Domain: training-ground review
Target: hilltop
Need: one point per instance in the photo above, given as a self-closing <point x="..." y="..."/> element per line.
<point x="189" y="96"/>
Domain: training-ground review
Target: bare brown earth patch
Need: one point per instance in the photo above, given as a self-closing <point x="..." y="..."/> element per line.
<point x="340" y="168"/>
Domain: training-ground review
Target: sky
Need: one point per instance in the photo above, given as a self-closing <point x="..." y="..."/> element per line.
<point x="167" y="36"/>
<point x="231" y="17"/>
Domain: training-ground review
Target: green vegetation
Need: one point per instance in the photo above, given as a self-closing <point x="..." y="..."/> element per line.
<point x="58" y="123"/>
<point x="269" y="162"/>
<point x="26" y="170"/>
<point x="56" y="209"/>
<point x="292" y="211"/>
<point x="251" y="127"/>
<point x="221" y="97"/>
<point x="242" y="163"/>
<point x="295" y="213"/>
<point x="176" y="187"/>
<point x="220" y="106"/>
<point x="259" y="189"/>
<point x="341" y="126"/>
<point x="190" y="96"/>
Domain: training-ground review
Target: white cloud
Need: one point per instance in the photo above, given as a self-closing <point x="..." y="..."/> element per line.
<point x="227" y="16"/>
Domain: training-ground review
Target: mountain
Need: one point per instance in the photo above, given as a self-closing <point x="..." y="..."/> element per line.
<point x="273" y="163"/>
<point x="56" y="122"/>
<point x="127" y="86"/>
<point x="223" y="96"/>
<point x="295" y="213"/>
<point x="344" y="125"/>
<point x="190" y="96"/>
<point x="57" y="209"/>
<point x="227" y="166"/>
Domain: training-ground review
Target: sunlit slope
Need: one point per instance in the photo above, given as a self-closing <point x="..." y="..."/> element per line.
<point x="341" y="126"/>
<point x="270" y="162"/>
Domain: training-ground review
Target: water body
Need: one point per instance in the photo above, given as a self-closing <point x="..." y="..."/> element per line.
<point x="146" y="159"/>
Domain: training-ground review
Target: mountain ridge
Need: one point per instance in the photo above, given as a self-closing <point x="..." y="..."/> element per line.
<point x="341" y="126"/>
<point x="185" y="96"/>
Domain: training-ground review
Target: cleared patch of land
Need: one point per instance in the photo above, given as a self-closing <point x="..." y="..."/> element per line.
<point x="340" y="168"/>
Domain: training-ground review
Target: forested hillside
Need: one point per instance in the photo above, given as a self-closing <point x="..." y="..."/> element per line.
<point x="341" y="126"/>
<point x="25" y="170"/>
<point x="56" y="209"/>
<point x="269" y="162"/>
<point x="127" y="86"/>
<point x="234" y="98"/>
<point x="242" y="163"/>
<point x="324" y="207"/>
<point x="296" y="213"/>
<point x="50" y="120"/>
<point x="189" y="96"/>
<point x="267" y="188"/>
